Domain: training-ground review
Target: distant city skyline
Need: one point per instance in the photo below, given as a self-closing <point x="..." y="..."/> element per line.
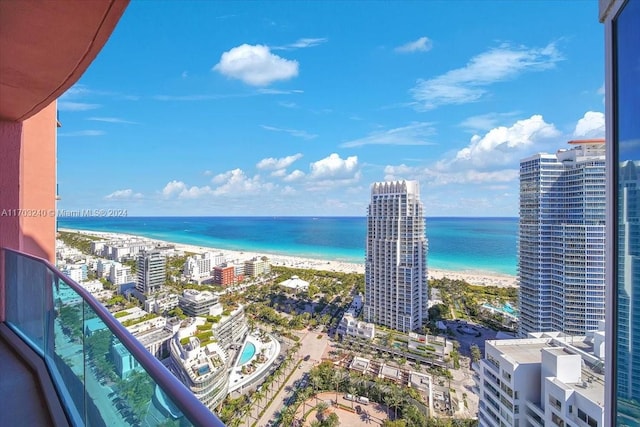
<point x="248" y="108"/>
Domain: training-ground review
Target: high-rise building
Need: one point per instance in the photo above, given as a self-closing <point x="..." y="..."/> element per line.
<point x="151" y="272"/>
<point x="562" y="240"/>
<point x="396" y="257"/>
<point x="622" y="103"/>
<point x="628" y="272"/>
<point x="545" y="379"/>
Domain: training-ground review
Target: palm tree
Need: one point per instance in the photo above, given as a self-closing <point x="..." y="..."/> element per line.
<point x="322" y="408"/>
<point x="332" y="420"/>
<point x="352" y="391"/>
<point x="287" y="416"/>
<point x="338" y="379"/>
<point x="316" y="382"/>
<point x="302" y="397"/>
<point x="395" y="400"/>
<point x="258" y="396"/>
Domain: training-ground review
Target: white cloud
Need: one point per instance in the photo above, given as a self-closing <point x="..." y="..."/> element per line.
<point x="83" y="133"/>
<point x="506" y="145"/>
<point x="436" y="177"/>
<point x="591" y="125"/>
<point x="413" y="134"/>
<point x="173" y="187"/>
<point x="334" y="168"/>
<point x="182" y="191"/>
<point x="255" y="65"/>
<point x="466" y="84"/>
<point x="279" y="173"/>
<point x="293" y="132"/>
<point x="302" y="43"/>
<point x="423" y="44"/>
<point x="76" y="106"/>
<point x="236" y="182"/>
<point x="271" y="163"/>
<point x="490" y="158"/>
<point x="111" y="120"/>
<point x="294" y="176"/>
<point x="123" y="194"/>
<point x="195" y="192"/>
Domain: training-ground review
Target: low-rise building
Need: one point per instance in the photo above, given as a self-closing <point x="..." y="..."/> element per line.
<point x="76" y="272"/>
<point x="295" y="283"/>
<point x="547" y="379"/>
<point x="224" y="275"/>
<point x="161" y="304"/>
<point x="199" y="303"/>
<point x="257" y="266"/>
<point x="103" y="268"/>
<point x="119" y="273"/>
<point x="199" y="267"/>
<point x="349" y="325"/>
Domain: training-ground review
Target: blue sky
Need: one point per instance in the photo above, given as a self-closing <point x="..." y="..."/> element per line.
<point x="295" y="108"/>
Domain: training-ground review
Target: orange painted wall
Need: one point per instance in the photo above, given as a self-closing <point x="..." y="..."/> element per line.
<point x="38" y="189"/>
<point x="28" y="184"/>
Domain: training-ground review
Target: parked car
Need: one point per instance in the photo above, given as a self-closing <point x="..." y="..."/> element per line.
<point x="349" y="397"/>
<point x="363" y="400"/>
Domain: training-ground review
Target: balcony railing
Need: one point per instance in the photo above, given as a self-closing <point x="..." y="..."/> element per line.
<point x="102" y="374"/>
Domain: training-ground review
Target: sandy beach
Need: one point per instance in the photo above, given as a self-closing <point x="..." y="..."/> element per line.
<point x="474" y="277"/>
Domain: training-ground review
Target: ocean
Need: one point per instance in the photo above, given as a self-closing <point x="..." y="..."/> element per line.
<point x="458" y="244"/>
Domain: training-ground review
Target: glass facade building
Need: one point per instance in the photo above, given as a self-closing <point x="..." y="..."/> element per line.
<point x="561" y="265"/>
<point x="622" y="86"/>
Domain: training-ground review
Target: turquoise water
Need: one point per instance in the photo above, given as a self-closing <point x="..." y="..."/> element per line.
<point x="488" y="244"/>
<point x="506" y="308"/>
<point x="248" y="352"/>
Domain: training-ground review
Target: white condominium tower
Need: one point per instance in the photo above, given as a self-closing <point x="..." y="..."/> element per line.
<point x="396" y="257"/>
<point x="561" y="239"/>
<point x="151" y="272"/>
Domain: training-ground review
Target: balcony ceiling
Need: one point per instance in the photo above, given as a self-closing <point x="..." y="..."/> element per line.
<point x="45" y="46"/>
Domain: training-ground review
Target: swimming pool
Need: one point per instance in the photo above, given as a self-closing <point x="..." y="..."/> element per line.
<point x="248" y="352"/>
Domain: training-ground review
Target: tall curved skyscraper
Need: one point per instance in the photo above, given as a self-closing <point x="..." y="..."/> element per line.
<point x="561" y="239"/>
<point x="396" y="290"/>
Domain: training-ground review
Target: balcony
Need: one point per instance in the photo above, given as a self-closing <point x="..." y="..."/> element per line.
<point x="66" y="361"/>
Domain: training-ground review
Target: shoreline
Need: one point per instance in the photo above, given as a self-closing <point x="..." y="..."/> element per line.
<point x="474" y="277"/>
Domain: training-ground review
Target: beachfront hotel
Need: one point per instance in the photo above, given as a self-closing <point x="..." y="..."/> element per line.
<point x="562" y="239"/>
<point x="396" y="257"/>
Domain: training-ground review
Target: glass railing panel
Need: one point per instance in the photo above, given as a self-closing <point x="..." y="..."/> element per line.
<point x="96" y="366"/>
<point x="25" y="298"/>
<point x="66" y="351"/>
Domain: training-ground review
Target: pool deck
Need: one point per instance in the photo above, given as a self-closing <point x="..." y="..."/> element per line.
<point x="237" y="379"/>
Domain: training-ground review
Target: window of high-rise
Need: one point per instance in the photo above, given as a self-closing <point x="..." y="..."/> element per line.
<point x="623" y="126"/>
